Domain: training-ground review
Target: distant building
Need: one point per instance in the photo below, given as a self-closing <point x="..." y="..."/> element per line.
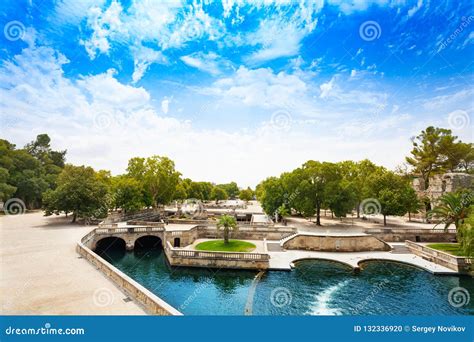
<point x="443" y="183"/>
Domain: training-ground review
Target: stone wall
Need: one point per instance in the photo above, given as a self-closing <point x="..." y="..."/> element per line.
<point x="416" y="235"/>
<point x="323" y="243"/>
<point x="152" y="303"/>
<point x="458" y="264"/>
<point x="443" y="183"/>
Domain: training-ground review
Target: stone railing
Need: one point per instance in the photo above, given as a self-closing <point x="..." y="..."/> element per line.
<point x="410" y="230"/>
<point x="193" y="258"/>
<point x="418" y="235"/>
<point x="104" y="229"/>
<point x="152" y="303"/>
<point x="244" y="232"/>
<point x="146" y="223"/>
<point x="456" y="263"/>
<point x="103" y="224"/>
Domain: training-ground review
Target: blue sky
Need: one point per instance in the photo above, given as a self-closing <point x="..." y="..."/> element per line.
<point x="235" y="90"/>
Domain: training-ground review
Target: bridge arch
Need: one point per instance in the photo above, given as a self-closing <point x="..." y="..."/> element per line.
<point x="148" y="242"/>
<point x="393" y="261"/>
<point x="110" y="243"/>
<point x="345" y="264"/>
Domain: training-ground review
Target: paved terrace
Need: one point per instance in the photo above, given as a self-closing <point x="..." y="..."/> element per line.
<point x="41" y="273"/>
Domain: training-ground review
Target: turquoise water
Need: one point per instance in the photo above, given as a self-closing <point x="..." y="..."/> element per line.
<point x="312" y="288"/>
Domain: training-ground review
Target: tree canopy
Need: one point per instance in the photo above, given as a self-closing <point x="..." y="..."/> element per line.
<point x="28" y="172"/>
<point x="437" y="150"/>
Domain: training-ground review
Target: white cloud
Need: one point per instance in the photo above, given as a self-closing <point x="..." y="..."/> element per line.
<point x="211" y="62"/>
<point x="38" y="98"/>
<point x="326" y="88"/>
<point x="349" y="7"/>
<point x="270" y="37"/>
<point x="415" y="8"/>
<point x="104" y="24"/>
<point x="260" y="87"/>
<point x="103" y="88"/>
<point x="165" y="106"/>
<point x="143" y="58"/>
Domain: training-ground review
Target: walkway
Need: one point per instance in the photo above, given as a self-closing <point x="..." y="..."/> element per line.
<point x="41" y="273"/>
<point x="283" y="260"/>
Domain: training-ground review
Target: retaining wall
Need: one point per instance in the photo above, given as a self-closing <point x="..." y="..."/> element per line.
<point x="362" y="243"/>
<point x="459" y="264"/>
<point x="152" y="303"/>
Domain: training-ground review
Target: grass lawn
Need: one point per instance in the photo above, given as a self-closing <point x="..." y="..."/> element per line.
<point x="451" y="248"/>
<point x="232" y="246"/>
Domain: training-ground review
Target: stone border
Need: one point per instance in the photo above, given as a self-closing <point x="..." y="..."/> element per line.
<point x="334" y="243"/>
<point x="212" y="259"/>
<point x="459" y="264"/>
<point x="151" y="302"/>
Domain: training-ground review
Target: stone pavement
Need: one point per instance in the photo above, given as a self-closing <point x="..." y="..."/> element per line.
<point x="41" y="273"/>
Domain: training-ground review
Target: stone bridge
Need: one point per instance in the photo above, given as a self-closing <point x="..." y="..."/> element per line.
<point x="127" y="236"/>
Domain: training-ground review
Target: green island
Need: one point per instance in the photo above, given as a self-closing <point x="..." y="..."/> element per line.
<point x="221" y="246"/>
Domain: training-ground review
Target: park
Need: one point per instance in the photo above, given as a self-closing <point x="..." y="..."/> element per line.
<point x="324" y="239"/>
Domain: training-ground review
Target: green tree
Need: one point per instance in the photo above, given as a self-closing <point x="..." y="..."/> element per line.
<point x="357" y="174"/>
<point x="459" y="157"/>
<point x="340" y="197"/>
<point x="453" y="208"/>
<point x="79" y="191"/>
<point x="320" y="177"/>
<point x="6" y="190"/>
<point x="181" y="192"/>
<point x="227" y="222"/>
<point x="467" y="233"/>
<point x="390" y="190"/>
<point x="127" y="194"/>
<point x="271" y="195"/>
<point x="30" y="171"/>
<point x="436" y="150"/>
<point x="231" y="189"/>
<point x="412" y="202"/>
<point x="246" y="195"/>
<point x="157" y="175"/>
<point x="218" y="194"/>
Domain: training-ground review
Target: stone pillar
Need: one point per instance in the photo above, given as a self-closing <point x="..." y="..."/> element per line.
<point x="129" y="246"/>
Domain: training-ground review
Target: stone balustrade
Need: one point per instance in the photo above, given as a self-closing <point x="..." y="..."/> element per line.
<point x="456" y="263"/>
<point x="193" y="258"/>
